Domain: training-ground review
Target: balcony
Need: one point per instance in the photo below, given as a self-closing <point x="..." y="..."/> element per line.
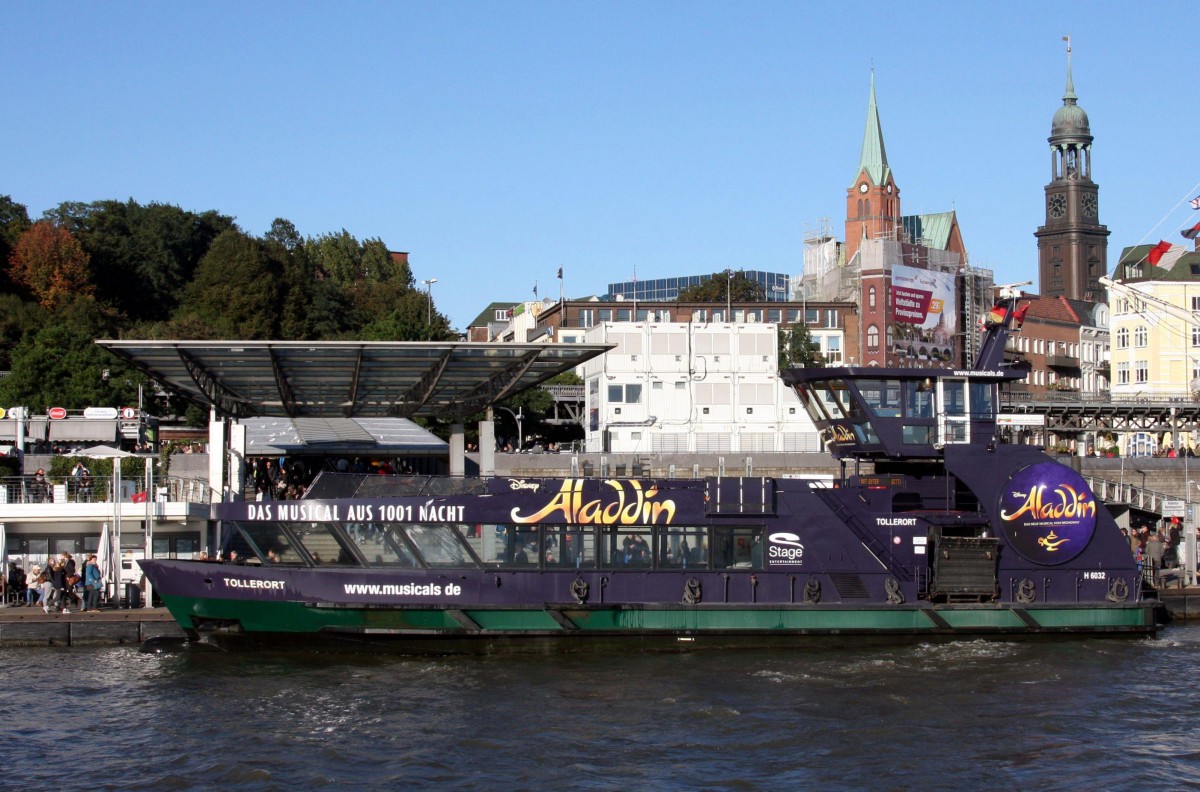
<point x="1062" y="362"/>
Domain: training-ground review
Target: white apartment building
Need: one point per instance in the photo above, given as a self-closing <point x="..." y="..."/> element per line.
<point x="673" y="388"/>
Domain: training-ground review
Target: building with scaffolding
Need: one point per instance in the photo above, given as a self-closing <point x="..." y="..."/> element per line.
<point x="919" y="298"/>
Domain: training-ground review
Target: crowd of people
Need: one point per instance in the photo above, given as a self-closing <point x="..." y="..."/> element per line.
<point x="1156" y="549"/>
<point x="58" y="586"/>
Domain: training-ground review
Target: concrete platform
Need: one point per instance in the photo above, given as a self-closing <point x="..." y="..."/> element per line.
<point x="21" y="626"/>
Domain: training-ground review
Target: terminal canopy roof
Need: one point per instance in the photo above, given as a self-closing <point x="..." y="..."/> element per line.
<point x="403" y="379"/>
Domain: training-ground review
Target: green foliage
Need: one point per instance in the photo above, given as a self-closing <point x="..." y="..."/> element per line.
<point x="14" y="220"/>
<point x="237" y="290"/>
<point x="142" y="257"/>
<point x="722" y="287"/>
<point x="61" y="366"/>
<point x="18" y="318"/>
<point x="159" y="272"/>
<point x="798" y="348"/>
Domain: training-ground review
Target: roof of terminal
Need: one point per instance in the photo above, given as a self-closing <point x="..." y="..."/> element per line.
<point x="403" y="379"/>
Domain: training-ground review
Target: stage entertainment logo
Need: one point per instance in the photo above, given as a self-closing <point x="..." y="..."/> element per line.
<point x="784" y="549"/>
<point x="1048" y="513"/>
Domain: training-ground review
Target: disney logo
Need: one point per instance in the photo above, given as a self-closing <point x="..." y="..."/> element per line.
<point x="520" y="484"/>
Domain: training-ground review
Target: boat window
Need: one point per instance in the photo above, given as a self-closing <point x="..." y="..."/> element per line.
<point x="737" y="547"/>
<point x="918" y="399"/>
<point x="627" y="546"/>
<point x="865" y="432"/>
<point x="509" y="545"/>
<point x="682" y="548"/>
<point x="439" y="545"/>
<point x="983" y="400"/>
<point x="835" y="398"/>
<point x="569" y="546"/>
<point x="882" y="396"/>
<point x="812" y="403"/>
<point x="325" y="545"/>
<point x="382" y="545"/>
<point x="954" y="394"/>
<point x="917" y="435"/>
<point x="274" y="546"/>
<point x="845" y="399"/>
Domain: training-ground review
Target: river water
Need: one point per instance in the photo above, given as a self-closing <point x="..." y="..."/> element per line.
<point x="1050" y="714"/>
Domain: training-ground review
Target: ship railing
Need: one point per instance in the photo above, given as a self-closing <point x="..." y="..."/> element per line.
<point x="1136" y="497"/>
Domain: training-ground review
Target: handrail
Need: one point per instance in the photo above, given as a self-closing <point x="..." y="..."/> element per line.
<point x="1137" y="497"/>
<point x="95" y="489"/>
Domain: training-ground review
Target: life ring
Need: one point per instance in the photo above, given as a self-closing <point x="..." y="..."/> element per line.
<point x="812" y="591"/>
<point x="1118" y="590"/>
<point x="691" y="591"/>
<point x="894" y="595"/>
<point x="1026" y="591"/>
<point x="579" y="590"/>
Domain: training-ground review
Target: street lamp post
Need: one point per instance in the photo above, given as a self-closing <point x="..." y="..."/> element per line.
<point x="429" y="291"/>
<point x="729" y="295"/>
<point x="517" y="416"/>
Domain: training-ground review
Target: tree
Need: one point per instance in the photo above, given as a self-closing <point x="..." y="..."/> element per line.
<point x="14" y="221"/>
<point x="18" y="318"/>
<point x="60" y="365"/>
<point x="798" y="349"/>
<point x="237" y="290"/>
<point x="724" y="286"/>
<point x="142" y="257"/>
<point x="51" y="264"/>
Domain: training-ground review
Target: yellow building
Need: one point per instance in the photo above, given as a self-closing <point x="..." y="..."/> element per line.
<point x="1155" y="331"/>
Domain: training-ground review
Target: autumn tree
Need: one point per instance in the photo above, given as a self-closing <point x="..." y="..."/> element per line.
<point x="51" y="264"/>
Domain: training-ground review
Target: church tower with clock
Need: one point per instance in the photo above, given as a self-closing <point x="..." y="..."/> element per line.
<point x="1072" y="245"/>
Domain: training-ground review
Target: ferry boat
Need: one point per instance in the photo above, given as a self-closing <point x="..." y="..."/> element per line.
<point x="932" y="528"/>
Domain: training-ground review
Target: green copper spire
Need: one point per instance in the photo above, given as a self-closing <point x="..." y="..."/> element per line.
<point x="1069" y="97"/>
<point x="874" y="156"/>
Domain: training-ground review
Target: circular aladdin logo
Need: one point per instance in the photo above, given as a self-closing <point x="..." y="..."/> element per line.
<point x="1048" y="513"/>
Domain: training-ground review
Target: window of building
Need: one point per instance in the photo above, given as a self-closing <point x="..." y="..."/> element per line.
<point x="831" y="348"/>
<point x="1140" y="336"/>
<point x="831" y="319"/>
<point x="1123" y="338"/>
<point x="1141" y="371"/>
<point x="1195" y="304"/>
<point x="871" y="298"/>
<point x="811" y="315"/>
<point x="1122" y="373"/>
<point x="625" y="394"/>
<point x="873" y="337"/>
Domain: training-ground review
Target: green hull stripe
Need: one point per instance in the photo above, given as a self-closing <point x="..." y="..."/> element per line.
<point x="295" y="617"/>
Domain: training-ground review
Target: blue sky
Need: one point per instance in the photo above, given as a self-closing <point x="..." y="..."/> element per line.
<point x="496" y="142"/>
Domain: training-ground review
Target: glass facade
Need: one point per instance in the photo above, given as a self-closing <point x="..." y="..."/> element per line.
<point x="775" y="286"/>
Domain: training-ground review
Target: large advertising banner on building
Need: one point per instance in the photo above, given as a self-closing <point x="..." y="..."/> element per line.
<point x="925" y="314"/>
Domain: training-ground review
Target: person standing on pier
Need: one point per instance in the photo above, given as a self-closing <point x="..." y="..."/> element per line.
<point x="92" y="581"/>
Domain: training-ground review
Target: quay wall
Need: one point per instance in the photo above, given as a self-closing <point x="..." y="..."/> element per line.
<point x="32" y="627"/>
